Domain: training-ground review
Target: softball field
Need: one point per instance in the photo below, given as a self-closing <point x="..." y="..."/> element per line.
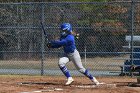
<point x="55" y="84"/>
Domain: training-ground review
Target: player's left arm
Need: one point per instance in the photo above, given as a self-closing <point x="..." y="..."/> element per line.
<point x="59" y="42"/>
<point x="51" y="44"/>
<point x="63" y="42"/>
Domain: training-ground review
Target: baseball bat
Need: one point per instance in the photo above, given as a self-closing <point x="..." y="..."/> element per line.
<point x="42" y="26"/>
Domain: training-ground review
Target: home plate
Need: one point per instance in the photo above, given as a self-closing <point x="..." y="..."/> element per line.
<point x="58" y="89"/>
<point x="97" y="86"/>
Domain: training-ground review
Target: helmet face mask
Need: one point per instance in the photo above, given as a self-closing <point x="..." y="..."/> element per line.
<point x="64" y="33"/>
<point x="65" y="29"/>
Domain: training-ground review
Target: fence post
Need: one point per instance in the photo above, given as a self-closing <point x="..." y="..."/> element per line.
<point x="43" y="40"/>
<point x="132" y="33"/>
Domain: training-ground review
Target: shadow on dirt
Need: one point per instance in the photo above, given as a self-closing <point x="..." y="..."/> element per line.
<point x="130" y="84"/>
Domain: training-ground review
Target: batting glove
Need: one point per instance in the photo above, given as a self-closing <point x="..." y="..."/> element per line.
<point x="49" y="45"/>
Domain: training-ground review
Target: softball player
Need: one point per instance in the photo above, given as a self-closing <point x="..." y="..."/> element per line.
<point x="67" y="41"/>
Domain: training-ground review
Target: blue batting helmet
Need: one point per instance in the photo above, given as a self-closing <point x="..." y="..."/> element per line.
<point x="66" y="26"/>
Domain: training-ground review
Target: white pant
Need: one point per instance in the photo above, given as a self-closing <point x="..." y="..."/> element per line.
<point x="75" y="58"/>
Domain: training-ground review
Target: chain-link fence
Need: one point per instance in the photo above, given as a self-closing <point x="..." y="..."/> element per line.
<point x="102" y="28"/>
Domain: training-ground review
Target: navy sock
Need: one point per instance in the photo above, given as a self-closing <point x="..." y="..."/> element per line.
<point x="88" y="74"/>
<point x="65" y="71"/>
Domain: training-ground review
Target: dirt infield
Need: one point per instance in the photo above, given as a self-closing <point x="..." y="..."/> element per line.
<point x="55" y="84"/>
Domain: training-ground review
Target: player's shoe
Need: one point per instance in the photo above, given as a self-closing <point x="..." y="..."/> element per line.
<point x="70" y="80"/>
<point x="96" y="82"/>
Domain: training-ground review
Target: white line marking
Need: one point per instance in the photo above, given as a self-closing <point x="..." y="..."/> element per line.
<point x="97" y="86"/>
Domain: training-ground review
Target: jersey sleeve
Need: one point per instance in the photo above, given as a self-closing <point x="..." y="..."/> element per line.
<point x="64" y="42"/>
<point x="58" y="43"/>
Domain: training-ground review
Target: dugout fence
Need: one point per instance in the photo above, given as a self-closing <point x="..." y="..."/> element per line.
<point x="102" y="28"/>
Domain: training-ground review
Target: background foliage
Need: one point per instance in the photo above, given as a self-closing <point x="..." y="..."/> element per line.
<point x="102" y="27"/>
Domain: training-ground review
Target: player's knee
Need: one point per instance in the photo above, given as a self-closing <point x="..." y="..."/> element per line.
<point x="62" y="61"/>
<point x="82" y="70"/>
<point x="61" y="64"/>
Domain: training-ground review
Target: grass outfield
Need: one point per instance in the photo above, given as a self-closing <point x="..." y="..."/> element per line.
<point x="98" y="63"/>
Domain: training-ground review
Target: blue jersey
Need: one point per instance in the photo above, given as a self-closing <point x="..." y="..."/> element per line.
<point x="68" y="43"/>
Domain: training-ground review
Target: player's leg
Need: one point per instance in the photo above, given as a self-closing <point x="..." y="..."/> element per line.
<point x="62" y="65"/>
<point x="76" y="59"/>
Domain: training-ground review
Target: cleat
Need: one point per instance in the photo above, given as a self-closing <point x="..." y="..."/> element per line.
<point x="102" y="83"/>
<point x="70" y="80"/>
<point x="95" y="81"/>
